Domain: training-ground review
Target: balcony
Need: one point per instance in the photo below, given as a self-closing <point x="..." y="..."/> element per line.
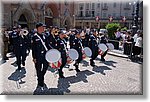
<point x="85" y="18"/>
<point x="105" y="8"/>
<point x="127" y="8"/>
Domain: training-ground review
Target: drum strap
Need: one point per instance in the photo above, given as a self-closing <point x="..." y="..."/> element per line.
<point x="42" y="42"/>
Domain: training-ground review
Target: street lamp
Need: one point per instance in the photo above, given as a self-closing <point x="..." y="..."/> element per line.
<point x="135" y="17"/>
<point x="74" y="21"/>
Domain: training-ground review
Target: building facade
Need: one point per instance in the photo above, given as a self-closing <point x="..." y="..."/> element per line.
<point x="98" y="13"/>
<point x="64" y="14"/>
<point x="27" y="14"/>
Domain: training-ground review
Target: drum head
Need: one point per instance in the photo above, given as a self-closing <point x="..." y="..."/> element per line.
<point x="102" y="47"/>
<point x="110" y="46"/>
<point x="53" y="55"/>
<point x="88" y="51"/>
<point x="73" y="54"/>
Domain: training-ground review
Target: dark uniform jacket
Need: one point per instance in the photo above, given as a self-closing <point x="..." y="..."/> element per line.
<point x="20" y="43"/>
<point x="38" y="49"/>
<point x="77" y="45"/>
<point x="93" y="44"/>
<point x="51" y="41"/>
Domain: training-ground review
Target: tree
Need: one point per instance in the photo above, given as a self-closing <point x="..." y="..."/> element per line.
<point x="124" y="29"/>
<point x="112" y="28"/>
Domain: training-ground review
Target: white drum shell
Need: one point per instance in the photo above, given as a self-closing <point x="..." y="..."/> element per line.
<point x="53" y="55"/>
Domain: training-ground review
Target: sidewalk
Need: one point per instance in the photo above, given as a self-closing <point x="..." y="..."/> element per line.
<point x="117" y="53"/>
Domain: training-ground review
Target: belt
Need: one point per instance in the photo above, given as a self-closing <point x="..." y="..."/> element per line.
<point x="42" y="52"/>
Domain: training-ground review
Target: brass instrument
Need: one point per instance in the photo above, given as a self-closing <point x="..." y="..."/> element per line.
<point x="24" y="32"/>
<point x="55" y="31"/>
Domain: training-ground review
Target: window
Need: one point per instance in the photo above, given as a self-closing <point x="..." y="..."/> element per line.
<point x="104" y="15"/>
<point x="98" y="5"/>
<point x="87" y="6"/>
<point x="114" y="14"/>
<point x="87" y="14"/>
<point x="115" y="4"/>
<point x="81" y="6"/>
<point x="93" y="6"/>
<point x="81" y="14"/>
<point x="105" y="5"/>
<point x="93" y="13"/>
<point x="126" y="14"/>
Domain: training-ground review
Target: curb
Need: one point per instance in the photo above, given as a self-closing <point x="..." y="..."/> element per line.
<point x="117" y="55"/>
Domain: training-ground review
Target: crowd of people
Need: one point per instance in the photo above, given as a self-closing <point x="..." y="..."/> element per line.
<point x="42" y="39"/>
<point x="127" y="37"/>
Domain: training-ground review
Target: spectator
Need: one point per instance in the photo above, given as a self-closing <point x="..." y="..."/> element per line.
<point x="118" y="35"/>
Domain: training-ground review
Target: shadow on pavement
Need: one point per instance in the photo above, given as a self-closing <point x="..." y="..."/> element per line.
<point x="17" y="77"/>
<point x="12" y="55"/>
<point x="64" y="84"/>
<point x="101" y="69"/>
<point x="14" y="64"/>
<point x="110" y="63"/>
<point x="2" y="61"/>
<point x="85" y="63"/>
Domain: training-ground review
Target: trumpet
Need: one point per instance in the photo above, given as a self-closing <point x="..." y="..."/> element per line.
<point x="24" y="32"/>
<point x="55" y="32"/>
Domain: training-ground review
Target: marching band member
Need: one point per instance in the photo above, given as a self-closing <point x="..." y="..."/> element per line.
<point x="93" y="44"/>
<point x="52" y="39"/>
<point x="77" y="45"/>
<point x="62" y="47"/>
<point x="20" y="48"/>
<point x="39" y="48"/>
<point x="71" y="38"/>
<point x="103" y="39"/>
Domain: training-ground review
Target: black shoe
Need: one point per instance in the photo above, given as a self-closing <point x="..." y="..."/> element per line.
<point x="23" y="63"/>
<point x="102" y="59"/>
<point x="19" y="68"/>
<point x="40" y="84"/>
<point x="92" y="63"/>
<point x="61" y="76"/>
<point x="77" y="70"/>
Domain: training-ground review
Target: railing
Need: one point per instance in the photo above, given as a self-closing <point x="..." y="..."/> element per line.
<point x="127" y="8"/>
<point x="93" y="18"/>
<point x="105" y="8"/>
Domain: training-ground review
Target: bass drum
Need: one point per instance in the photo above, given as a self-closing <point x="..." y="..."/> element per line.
<point x="72" y="55"/>
<point x="53" y="56"/>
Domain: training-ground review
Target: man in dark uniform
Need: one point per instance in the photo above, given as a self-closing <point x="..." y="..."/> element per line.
<point x="93" y="44"/>
<point x="85" y="40"/>
<point x="103" y="39"/>
<point x="62" y="47"/>
<point x="77" y="45"/>
<point x="39" y="48"/>
<point x="71" y="38"/>
<point x="12" y="37"/>
<point x="20" y="47"/>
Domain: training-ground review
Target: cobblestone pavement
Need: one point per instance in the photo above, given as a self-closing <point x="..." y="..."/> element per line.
<point x="115" y="76"/>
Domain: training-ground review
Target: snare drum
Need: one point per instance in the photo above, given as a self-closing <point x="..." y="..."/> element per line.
<point x="72" y="55"/>
<point x="110" y="46"/>
<point x="102" y="48"/>
<point x="87" y="52"/>
<point x="53" y="56"/>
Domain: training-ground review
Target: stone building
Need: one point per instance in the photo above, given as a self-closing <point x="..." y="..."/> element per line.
<point x="119" y="11"/>
<point x="27" y="13"/>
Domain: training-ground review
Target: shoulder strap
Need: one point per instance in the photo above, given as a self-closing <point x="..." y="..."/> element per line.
<point x="42" y="42"/>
